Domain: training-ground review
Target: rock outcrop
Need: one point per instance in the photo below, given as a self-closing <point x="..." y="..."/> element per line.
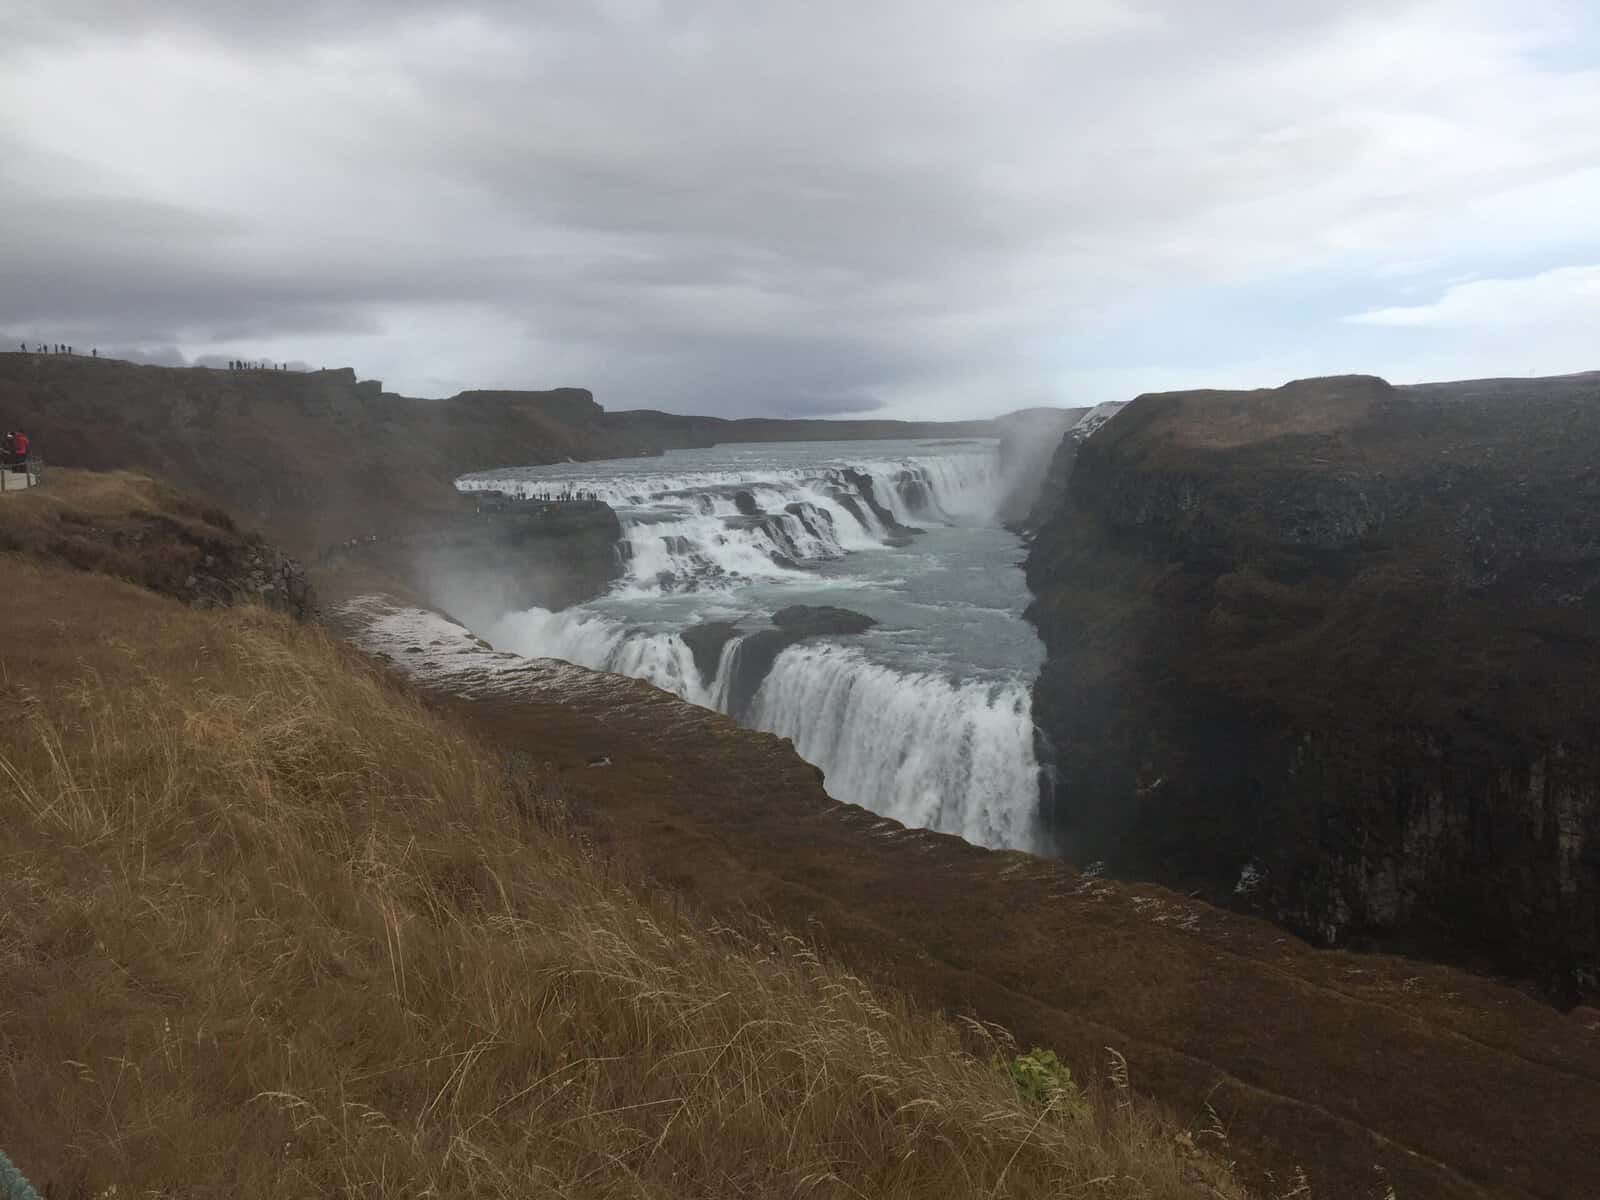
<point x="1330" y="652"/>
<point x="705" y="641"/>
<point x="897" y="534"/>
<point x="251" y="569"/>
<point x="1028" y="439"/>
<point x="1051" y="490"/>
<point x="482" y="565"/>
<point x="821" y="620"/>
<point x="755" y="652"/>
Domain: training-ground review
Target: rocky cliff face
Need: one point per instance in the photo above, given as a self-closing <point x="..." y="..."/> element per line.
<point x="1050" y="492"/>
<point x="1029" y="439"/>
<point x="1329" y="652"/>
<point x="250" y="569"/>
<point x="480" y="565"/>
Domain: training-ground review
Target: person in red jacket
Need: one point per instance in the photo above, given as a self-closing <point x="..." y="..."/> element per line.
<point x="19" y="450"/>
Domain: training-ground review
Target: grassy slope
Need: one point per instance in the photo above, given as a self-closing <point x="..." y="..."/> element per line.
<point x="270" y="927"/>
<point x="117" y="523"/>
<point x="1367" y="1070"/>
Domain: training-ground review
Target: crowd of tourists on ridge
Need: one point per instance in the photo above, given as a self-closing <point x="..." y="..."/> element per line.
<point x="234" y="364"/>
<point x="56" y="348"/>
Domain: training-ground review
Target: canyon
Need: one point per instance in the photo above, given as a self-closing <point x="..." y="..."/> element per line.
<point x="1320" y="655"/>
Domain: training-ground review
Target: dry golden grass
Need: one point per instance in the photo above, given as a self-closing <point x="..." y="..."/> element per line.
<point x="270" y="928"/>
<point x="116" y="523"/>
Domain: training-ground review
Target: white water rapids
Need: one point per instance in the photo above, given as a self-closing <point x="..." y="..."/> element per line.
<point x="924" y="718"/>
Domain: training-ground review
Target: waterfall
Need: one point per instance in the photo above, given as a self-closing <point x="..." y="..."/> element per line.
<point x="596" y="642"/>
<point x="929" y="752"/>
<point x="716" y="538"/>
<point x="689" y="530"/>
<point x="954" y="757"/>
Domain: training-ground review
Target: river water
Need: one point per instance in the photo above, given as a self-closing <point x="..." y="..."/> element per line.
<point x="926" y="716"/>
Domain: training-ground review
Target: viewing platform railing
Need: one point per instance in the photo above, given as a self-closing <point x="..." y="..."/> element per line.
<point x="488" y="501"/>
<point x="16" y="476"/>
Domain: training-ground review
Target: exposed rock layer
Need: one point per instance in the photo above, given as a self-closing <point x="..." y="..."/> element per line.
<point x="1335" y="645"/>
<point x="480" y="566"/>
<point x="1028" y="439"/>
<point x="755" y="654"/>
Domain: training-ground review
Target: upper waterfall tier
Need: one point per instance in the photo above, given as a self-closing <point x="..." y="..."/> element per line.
<point x="764" y="512"/>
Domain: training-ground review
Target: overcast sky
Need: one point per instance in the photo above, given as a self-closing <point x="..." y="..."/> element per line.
<point x="823" y="207"/>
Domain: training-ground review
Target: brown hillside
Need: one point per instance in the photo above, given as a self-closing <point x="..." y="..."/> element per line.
<point x="270" y="928"/>
<point x="1366" y="1071"/>
<point x="312" y="458"/>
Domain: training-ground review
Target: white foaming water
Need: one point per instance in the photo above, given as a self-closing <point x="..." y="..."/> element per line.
<point x="928" y="752"/>
<point x="685" y="528"/>
<point x="593" y="641"/>
<point x="924" y="718"/>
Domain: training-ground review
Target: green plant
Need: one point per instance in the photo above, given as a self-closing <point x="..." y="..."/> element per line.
<point x="1043" y="1079"/>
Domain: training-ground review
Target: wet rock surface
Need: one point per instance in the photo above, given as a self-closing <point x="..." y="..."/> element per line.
<point x="755" y="653"/>
<point x="705" y="642"/>
<point x="819" y="620"/>
<point x="480" y="565"/>
<point x="1340" y="640"/>
<point x="898" y="534"/>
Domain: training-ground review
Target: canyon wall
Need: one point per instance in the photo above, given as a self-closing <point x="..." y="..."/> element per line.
<point x="477" y="566"/>
<point x="1329" y="652"/>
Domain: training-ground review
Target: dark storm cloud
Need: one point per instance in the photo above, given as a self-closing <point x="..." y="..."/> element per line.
<point x="730" y="207"/>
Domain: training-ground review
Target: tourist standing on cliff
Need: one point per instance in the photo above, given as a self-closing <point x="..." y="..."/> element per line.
<point x="14" y="451"/>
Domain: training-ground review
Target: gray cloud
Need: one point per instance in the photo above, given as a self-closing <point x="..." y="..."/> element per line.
<point x="734" y="208"/>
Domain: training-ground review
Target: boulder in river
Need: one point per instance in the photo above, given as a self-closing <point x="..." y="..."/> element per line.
<point x="820" y="620"/>
<point x="705" y="642"/>
<point x="755" y="654"/>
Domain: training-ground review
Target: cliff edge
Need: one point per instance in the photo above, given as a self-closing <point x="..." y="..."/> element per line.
<point x="1328" y="652"/>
